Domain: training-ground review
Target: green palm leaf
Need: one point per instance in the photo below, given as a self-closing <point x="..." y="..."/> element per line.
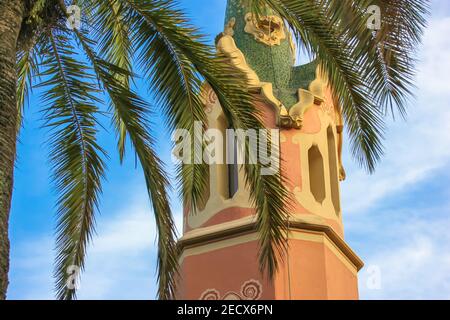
<point x="159" y="29"/>
<point x="112" y="33"/>
<point x="133" y="112"/>
<point x="78" y="167"/>
<point x="26" y="69"/>
<point x="179" y="52"/>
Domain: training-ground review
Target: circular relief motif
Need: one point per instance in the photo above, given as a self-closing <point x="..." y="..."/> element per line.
<point x="210" y="295"/>
<point x="267" y="29"/>
<point x="251" y="290"/>
<point x="231" y="296"/>
<point x="328" y="107"/>
<point x="210" y="99"/>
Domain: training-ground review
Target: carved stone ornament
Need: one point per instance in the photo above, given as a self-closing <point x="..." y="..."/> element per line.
<point x="269" y="30"/>
<point x="227" y="46"/>
<point x="250" y="290"/>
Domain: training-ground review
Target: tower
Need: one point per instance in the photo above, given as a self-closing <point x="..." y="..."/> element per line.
<point x="219" y="246"/>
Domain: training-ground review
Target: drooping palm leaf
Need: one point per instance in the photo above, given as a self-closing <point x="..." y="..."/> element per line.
<point x="133" y="113"/>
<point x="402" y="25"/>
<point x="184" y="45"/>
<point x="26" y="70"/>
<point x="173" y="79"/>
<point x="78" y="166"/>
<point x="114" y="45"/>
<point x="368" y="72"/>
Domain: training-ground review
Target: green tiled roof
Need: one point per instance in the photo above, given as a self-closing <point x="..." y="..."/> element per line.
<point x="274" y="64"/>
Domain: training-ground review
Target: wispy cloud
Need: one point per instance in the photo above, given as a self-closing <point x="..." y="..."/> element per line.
<point x="394" y="218"/>
<point x="411" y="248"/>
<point x="121" y="263"/>
<point x="31" y="270"/>
<point x="416" y="148"/>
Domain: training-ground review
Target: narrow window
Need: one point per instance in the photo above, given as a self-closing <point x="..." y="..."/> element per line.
<point x="233" y="168"/>
<point x="206" y="195"/>
<point x="222" y="168"/>
<point x="334" y="176"/>
<point x="316" y="174"/>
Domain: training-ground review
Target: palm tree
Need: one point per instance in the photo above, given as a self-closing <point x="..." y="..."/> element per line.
<point x="368" y="71"/>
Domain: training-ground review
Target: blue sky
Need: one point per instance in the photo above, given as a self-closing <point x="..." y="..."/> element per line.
<point x="397" y="220"/>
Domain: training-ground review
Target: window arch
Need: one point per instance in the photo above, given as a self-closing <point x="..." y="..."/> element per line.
<point x="233" y="166"/>
<point x="316" y="174"/>
<point x="333" y="165"/>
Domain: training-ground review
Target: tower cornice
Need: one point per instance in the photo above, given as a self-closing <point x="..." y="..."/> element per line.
<point x="247" y="226"/>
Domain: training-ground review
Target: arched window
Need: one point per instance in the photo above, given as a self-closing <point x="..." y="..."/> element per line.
<point x="207" y="194"/>
<point x="316" y="174"/>
<point x="228" y="170"/>
<point x="233" y="167"/>
<point x="222" y="168"/>
<point x="334" y="176"/>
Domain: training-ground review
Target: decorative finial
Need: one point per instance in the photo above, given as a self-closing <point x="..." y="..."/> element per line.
<point x="269" y="29"/>
<point x="229" y="28"/>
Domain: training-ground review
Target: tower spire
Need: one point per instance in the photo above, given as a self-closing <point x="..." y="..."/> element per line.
<point x="220" y="244"/>
<point x="270" y="50"/>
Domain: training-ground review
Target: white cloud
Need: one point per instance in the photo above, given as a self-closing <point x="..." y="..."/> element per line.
<point x="435" y="62"/>
<point x="121" y="262"/>
<point x="31" y="270"/>
<point x="414" y="149"/>
<point x="408" y="239"/>
<point x="413" y="255"/>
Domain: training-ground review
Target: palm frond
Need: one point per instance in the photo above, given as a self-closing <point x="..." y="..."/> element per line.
<point x="395" y="45"/>
<point x="133" y="113"/>
<point x="26" y="70"/>
<point x="386" y="56"/>
<point x="363" y="118"/>
<point x="182" y="50"/>
<point x="158" y="30"/>
<point x="78" y="167"/>
<point x="113" y="37"/>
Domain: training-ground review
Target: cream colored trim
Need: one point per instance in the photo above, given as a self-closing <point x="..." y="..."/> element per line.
<point x="206" y="232"/>
<point x="303" y="193"/>
<point x="308" y="98"/>
<point x="229" y="27"/>
<point x="269" y="30"/>
<point x="217" y="202"/>
<point x="267" y="93"/>
<point x="227" y="46"/>
<point x="317" y="87"/>
<point x="244" y="230"/>
<point x="296" y="112"/>
<point x="323" y="238"/>
<point x="213" y="246"/>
